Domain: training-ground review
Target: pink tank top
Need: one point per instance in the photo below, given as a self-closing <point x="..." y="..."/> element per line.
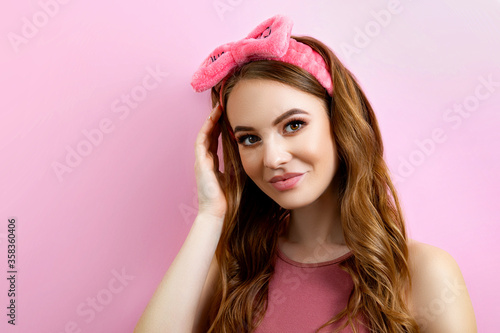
<point x="304" y="296"/>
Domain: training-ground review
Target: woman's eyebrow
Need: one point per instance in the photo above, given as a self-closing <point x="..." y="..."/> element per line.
<point x="278" y="120"/>
<point x="287" y="114"/>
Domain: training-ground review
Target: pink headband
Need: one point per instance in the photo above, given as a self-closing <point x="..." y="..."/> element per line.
<point x="270" y="40"/>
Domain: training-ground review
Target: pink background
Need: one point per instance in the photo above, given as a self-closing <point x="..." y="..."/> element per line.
<point x="124" y="207"/>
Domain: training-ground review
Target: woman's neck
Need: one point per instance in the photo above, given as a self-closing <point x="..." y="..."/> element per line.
<point x="318" y="223"/>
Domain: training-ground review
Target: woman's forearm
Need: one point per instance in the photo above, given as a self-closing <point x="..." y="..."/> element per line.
<point x="174" y="304"/>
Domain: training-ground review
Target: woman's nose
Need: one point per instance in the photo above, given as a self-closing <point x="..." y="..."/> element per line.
<point x="275" y="153"/>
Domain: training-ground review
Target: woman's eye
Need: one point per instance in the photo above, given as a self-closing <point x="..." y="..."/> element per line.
<point x="248" y="140"/>
<point x="293" y="126"/>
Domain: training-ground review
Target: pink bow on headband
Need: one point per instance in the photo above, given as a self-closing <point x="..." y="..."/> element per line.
<point x="270" y="40"/>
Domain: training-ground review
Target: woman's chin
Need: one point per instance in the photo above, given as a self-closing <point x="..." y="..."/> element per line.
<point x="292" y="202"/>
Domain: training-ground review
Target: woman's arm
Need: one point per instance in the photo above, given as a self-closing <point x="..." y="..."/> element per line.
<point x="439" y="298"/>
<point x="174" y="305"/>
<point x="181" y="301"/>
<point x="201" y="323"/>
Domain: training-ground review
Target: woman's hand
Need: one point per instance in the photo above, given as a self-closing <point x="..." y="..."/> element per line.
<point x="211" y="199"/>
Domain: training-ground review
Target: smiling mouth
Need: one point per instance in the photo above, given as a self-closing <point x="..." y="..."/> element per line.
<point x="286" y="182"/>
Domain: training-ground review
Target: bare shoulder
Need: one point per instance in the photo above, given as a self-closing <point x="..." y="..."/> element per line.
<point x="439" y="299"/>
<point x="426" y="259"/>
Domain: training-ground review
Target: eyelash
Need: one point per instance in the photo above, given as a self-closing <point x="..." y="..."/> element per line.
<point x="301" y="123"/>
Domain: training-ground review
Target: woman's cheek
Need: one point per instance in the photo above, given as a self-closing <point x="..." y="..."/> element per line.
<point x="310" y="143"/>
<point x="248" y="163"/>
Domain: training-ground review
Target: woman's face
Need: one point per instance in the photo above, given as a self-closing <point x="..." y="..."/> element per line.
<point x="285" y="140"/>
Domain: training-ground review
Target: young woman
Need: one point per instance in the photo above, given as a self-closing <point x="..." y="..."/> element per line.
<point x="302" y="231"/>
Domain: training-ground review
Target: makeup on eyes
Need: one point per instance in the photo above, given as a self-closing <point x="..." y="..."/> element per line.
<point x="277" y="121"/>
<point x="293" y="121"/>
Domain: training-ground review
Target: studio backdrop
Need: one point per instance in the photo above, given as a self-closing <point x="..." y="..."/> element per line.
<point x="98" y="122"/>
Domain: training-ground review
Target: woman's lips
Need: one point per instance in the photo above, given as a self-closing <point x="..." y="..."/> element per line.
<point x="286" y="182"/>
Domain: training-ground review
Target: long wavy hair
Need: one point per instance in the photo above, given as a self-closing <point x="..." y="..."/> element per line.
<point x="371" y="216"/>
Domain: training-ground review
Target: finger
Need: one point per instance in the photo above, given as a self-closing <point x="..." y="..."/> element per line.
<point x="202" y="140"/>
<point x="214" y="136"/>
<point x="209" y="123"/>
<point x="216" y="113"/>
<point x="207" y="141"/>
<point x="214" y="145"/>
